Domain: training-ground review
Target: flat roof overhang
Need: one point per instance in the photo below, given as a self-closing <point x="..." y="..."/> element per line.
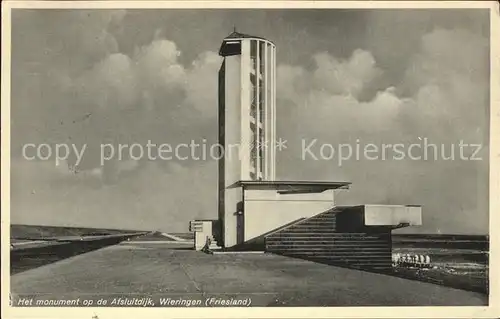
<point x="394" y="216"/>
<point x="290" y="187"/>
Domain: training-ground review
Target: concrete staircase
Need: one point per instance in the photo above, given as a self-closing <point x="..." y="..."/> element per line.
<point x="319" y="238"/>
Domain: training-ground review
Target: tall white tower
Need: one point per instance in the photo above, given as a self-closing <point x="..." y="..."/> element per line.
<point x="247" y="116"/>
<point x="247" y="104"/>
<point x="253" y="205"/>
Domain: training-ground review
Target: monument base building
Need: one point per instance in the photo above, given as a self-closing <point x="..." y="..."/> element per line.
<point x="293" y="218"/>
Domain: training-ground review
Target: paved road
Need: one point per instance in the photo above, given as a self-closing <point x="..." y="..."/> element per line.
<point x="156" y="270"/>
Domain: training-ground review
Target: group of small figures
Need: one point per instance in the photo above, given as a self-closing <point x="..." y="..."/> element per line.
<point x="421" y="261"/>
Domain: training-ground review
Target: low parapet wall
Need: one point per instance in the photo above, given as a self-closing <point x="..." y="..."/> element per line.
<point x="22" y="258"/>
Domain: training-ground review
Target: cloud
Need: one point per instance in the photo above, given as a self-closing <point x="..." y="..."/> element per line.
<point x="93" y="94"/>
<point x="110" y="84"/>
<point x="201" y="84"/>
<point x="157" y="65"/>
<point x="110" y="76"/>
<point x="344" y="77"/>
<point x="132" y="100"/>
<point x="443" y="98"/>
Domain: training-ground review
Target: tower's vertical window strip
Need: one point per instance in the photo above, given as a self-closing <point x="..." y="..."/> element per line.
<point x="262" y="93"/>
<point x="258" y="92"/>
<point x="253" y="79"/>
<point x="266" y="111"/>
<point x="253" y="109"/>
<point x="273" y="116"/>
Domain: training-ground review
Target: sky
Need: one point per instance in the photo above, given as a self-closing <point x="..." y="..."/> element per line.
<point x="88" y="77"/>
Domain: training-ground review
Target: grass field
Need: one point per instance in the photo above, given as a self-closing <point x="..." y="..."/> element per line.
<point x="33" y="232"/>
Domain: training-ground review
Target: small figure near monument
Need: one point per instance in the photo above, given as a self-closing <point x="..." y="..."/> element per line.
<point x="206" y="249"/>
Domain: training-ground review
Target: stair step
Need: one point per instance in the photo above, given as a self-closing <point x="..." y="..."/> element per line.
<point x="322" y="239"/>
<point x="325" y="216"/>
<point x="331" y="248"/>
<point x="344" y="259"/>
<point x="326" y="241"/>
<point x="345" y="234"/>
<point x="336" y="252"/>
<point x="320" y="234"/>
<point x="311" y="228"/>
<point x="314" y="224"/>
<point x="350" y="262"/>
<point x="347" y="259"/>
<point x="333" y="242"/>
<point x="297" y="232"/>
<point x="355" y="264"/>
<point x="306" y="231"/>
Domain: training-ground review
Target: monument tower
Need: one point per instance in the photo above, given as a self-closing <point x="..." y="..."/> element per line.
<point x="256" y="211"/>
<point x="247" y="108"/>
